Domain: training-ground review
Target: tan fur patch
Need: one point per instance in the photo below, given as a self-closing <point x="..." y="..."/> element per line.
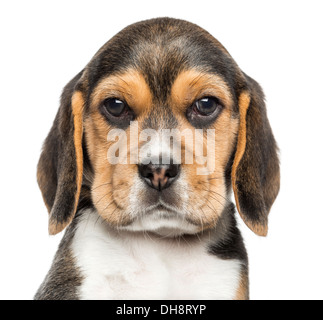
<point x="243" y="289"/>
<point x="191" y="85"/>
<point x="129" y="86"/>
<point x="77" y="108"/>
<point x="244" y="101"/>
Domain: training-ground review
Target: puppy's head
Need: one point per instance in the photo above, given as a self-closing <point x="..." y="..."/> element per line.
<point x="156" y="131"/>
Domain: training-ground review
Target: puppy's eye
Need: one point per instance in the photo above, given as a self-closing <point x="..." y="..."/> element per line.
<point x="203" y="112"/>
<point x="117" y="112"/>
<point x="115" y="107"/>
<point x="206" y="106"/>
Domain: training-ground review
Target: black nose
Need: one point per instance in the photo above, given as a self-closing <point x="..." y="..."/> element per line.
<point x="157" y="176"/>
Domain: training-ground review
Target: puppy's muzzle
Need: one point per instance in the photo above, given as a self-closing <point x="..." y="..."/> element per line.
<point x="159" y="177"/>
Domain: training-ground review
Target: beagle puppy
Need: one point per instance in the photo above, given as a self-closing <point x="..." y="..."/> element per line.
<point x="149" y="228"/>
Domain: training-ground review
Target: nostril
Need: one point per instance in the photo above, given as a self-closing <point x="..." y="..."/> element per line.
<point x="159" y="177"/>
<point x="148" y="174"/>
<point x="146" y="171"/>
<point x="172" y="171"/>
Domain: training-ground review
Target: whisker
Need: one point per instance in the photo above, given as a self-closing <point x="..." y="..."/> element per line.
<point x="105" y="195"/>
<point x="211" y="204"/>
<point x="218" y="194"/>
<point x="214" y="178"/>
<point x="102" y="185"/>
<point x="213" y="197"/>
<point x="108" y="205"/>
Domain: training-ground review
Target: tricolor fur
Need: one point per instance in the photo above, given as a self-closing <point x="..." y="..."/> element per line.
<point x="126" y="239"/>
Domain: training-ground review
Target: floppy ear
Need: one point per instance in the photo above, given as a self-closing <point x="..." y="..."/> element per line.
<point x="60" y="168"/>
<point x="255" y="170"/>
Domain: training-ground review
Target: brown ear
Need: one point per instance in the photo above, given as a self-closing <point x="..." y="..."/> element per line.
<point x="60" y="168"/>
<point x="255" y="171"/>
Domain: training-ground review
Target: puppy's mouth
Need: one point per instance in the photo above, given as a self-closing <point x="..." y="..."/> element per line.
<point x="164" y="220"/>
<point x="162" y="208"/>
<point x="167" y="199"/>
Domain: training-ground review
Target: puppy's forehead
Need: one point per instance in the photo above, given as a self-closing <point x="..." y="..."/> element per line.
<point x="160" y="49"/>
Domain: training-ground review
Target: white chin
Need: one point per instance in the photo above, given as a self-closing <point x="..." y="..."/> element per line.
<point x="163" y="225"/>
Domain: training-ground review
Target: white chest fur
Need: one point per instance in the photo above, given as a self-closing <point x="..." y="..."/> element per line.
<point x="124" y="265"/>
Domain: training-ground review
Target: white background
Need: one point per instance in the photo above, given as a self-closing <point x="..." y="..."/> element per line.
<point x="43" y="44"/>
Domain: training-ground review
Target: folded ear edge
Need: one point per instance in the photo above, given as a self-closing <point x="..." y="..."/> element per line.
<point x="77" y="103"/>
<point x="244" y="103"/>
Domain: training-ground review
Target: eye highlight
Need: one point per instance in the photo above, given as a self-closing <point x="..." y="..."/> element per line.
<point x="204" y="111"/>
<point x="206" y="106"/>
<point x="114" y="106"/>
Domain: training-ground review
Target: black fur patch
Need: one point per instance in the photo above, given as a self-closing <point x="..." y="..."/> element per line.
<point x="64" y="278"/>
<point x="229" y="243"/>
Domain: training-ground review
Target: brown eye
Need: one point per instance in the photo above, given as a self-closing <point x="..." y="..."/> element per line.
<point x="117" y="112"/>
<point x="203" y="112"/>
<point x="206" y="106"/>
<point x="115" y="107"/>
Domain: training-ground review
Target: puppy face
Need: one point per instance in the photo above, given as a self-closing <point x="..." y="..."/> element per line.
<point x="153" y="80"/>
<point x="192" y="202"/>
